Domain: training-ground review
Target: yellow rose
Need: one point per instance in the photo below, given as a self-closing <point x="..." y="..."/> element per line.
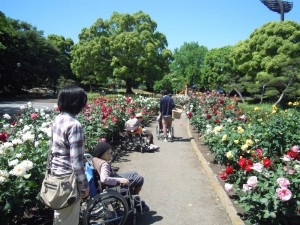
<point x="224" y="138"/>
<point x="236" y="141"/>
<point x="249" y="142"/>
<point x="240" y="130"/>
<point x="244" y="147"/>
<point x="229" y="155"/>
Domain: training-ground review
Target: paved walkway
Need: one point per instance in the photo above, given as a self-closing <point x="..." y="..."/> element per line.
<point x="179" y="188"/>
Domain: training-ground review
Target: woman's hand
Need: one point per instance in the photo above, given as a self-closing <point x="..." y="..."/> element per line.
<point x="124" y="181"/>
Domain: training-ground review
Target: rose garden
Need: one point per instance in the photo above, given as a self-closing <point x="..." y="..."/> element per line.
<point x="258" y="148"/>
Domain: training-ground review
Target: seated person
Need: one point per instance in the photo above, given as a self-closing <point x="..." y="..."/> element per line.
<point x="101" y="159"/>
<point x="135" y="124"/>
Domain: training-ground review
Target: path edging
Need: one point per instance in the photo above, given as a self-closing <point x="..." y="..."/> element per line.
<point x="222" y="195"/>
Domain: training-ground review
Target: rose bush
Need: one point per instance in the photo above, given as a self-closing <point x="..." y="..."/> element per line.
<point x="255" y="148"/>
<point x="24" y="144"/>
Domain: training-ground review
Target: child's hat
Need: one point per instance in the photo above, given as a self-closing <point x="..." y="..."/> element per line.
<point x="101" y="148"/>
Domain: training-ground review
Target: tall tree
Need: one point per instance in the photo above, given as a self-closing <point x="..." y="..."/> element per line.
<point x="63" y="46"/>
<point x="264" y="57"/>
<point x="126" y="47"/>
<point x="27" y="59"/>
<point x="217" y="68"/>
<point x="188" y="60"/>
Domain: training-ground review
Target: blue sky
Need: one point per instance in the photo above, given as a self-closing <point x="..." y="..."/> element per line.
<point x="211" y="23"/>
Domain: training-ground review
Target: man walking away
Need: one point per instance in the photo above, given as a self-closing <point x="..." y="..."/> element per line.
<point x="166" y="106"/>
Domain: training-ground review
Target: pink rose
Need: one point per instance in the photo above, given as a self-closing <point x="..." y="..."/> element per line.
<point x="246" y="187"/>
<point x="283" y="182"/>
<point x="33" y="115"/>
<point x="291" y="172"/>
<point x="103" y="139"/>
<point x="283" y="194"/>
<point x="252" y="181"/>
<point x="228" y="187"/>
<point x="257" y="167"/>
<point x="295" y="148"/>
<point x="259" y="152"/>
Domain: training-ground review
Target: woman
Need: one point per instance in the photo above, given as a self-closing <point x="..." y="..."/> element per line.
<point x="67" y="151"/>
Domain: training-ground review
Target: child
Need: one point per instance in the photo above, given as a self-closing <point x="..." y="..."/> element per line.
<point x="102" y="153"/>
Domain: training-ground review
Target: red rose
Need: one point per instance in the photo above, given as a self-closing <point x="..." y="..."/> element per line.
<point x="248" y="167"/>
<point x="292" y="154"/>
<point x="245" y="164"/>
<point x="229" y="170"/>
<point x="223" y="176"/>
<point x="128" y="99"/>
<point x="217" y="121"/>
<point x="208" y="116"/>
<point x="266" y="162"/>
<point x="3" y="136"/>
<point x="189" y="114"/>
<point x="114" y="119"/>
<point x="242" y="162"/>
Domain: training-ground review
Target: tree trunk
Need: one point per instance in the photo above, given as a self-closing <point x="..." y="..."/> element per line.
<point x="280" y="98"/>
<point x="129" y="84"/>
<point x="262" y="94"/>
<point x="240" y="95"/>
<point x="129" y="89"/>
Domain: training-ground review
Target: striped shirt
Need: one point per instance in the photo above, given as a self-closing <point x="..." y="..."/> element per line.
<point x="68" y="148"/>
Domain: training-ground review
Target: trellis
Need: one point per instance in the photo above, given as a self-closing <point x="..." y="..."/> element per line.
<point x="278" y="6"/>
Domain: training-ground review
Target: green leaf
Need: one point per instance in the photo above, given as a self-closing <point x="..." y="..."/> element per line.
<point x="26" y="176"/>
<point x="266" y="214"/>
<point x="264" y="200"/>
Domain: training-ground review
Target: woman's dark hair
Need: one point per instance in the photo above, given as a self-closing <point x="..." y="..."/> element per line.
<point x="71" y="99"/>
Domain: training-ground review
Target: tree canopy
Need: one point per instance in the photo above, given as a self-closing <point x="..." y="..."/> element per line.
<point x="217" y="68"/>
<point x="264" y="56"/>
<point x="188" y="60"/>
<point x="28" y="59"/>
<point x="126" y="47"/>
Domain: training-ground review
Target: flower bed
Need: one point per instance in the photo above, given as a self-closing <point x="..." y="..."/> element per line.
<point x="260" y="153"/>
<point x="24" y="144"/>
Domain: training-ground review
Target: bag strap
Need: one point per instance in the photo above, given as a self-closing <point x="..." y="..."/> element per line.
<point x="49" y="153"/>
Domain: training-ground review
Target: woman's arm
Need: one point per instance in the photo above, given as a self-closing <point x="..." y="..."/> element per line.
<point x="105" y="176"/>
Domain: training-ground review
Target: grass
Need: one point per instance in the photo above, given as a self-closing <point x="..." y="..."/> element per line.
<point x="265" y="107"/>
<point x="96" y="95"/>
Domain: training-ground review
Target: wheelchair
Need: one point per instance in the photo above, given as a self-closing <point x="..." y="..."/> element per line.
<point x="159" y="131"/>
<point x="133" y="139"/>
<point x="111" y="206"/>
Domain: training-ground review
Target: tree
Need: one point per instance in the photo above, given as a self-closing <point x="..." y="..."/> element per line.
<point x="63" y="46"/>
<point x="27" y="58"/>
<point x="169" y="82"/>
<point x="188" y="60"/>
<point x="217" y="68"/>
<point x="264" y="57"/>
<point x="125" y="47"/>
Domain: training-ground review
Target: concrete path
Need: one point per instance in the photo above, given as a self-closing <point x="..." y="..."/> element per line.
<point x="177" y="188"/>
<point x="13" y="107"/>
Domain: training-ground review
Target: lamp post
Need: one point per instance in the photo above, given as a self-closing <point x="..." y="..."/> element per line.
<point x="278" y="6"/>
